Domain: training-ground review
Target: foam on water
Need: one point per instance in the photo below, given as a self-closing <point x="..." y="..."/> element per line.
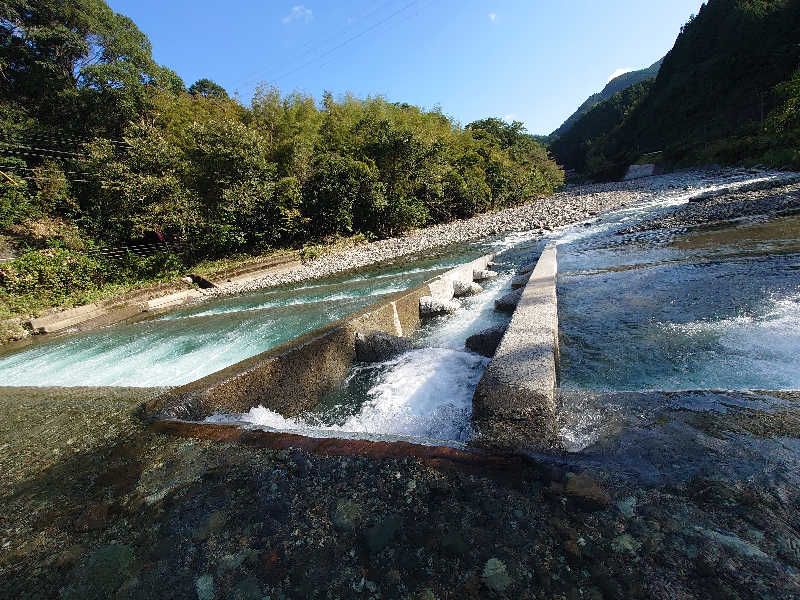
<point x="760" y="350"/>
<point x="424" y="393"/>
<point x="297" y="301"/>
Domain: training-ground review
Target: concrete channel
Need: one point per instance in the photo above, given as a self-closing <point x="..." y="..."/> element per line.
<point x="292" y="377"/>
<point x="514" y="403"/>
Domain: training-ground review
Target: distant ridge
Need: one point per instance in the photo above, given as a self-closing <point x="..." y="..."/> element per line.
<point x="612" y="87"/>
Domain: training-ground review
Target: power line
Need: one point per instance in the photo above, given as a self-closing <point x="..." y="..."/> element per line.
<point x="39" y="155"/>
<point x="62" y="137"/>
<point x="40" y="149"/>
<point x="310" y="45"/>
<point x="346" y="42"/>
<point x="40" y="170"/>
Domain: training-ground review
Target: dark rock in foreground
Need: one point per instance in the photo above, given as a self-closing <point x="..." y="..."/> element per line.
<point x="377" y="346"/>
<point x="487" y="341"/>
<point x="508" y="302"/>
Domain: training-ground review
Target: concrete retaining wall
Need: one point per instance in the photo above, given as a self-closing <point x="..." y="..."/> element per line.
<point x="514" y="403"/>
<point x="291" y="378"/>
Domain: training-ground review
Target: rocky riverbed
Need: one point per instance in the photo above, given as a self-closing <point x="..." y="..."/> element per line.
<point x="575" y="204"/>
<point x="113" y="509"/>
<point x="718" y="210"/>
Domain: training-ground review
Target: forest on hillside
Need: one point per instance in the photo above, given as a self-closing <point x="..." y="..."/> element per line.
<point x="100" y="147"/>
<point x="726" y="93"/>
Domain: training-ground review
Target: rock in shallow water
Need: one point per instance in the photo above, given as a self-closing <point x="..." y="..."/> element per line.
<point x="430" y="306"/>
<point x="487" y="341"/>
<point x="379" y="535"/>
<point x="508" y="302"/>
<point x="465" y="288"/>
<point x="376" y="346"/>
<point x="495" y="575"/>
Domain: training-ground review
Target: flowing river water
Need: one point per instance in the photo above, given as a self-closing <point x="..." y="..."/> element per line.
<point x="661" y="310"/>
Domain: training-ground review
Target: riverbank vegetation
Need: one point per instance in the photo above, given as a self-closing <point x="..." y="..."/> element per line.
<point x="102" y="148"/>
<point x="726" y="93"/>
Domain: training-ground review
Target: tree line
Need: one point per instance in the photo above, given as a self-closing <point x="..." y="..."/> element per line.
<point x="101" y="146"/>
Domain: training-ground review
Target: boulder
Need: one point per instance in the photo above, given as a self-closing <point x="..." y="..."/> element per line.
<point x="508" y="302"/>
<point x="465" y="288"/>
<point x="481" y="274"/>
<point x="520" y="281"/>
<point x="527" y="269"/>
<point x="487" y="341"/>
<point x="430" y="306"/>
<point x="376" y="346"/>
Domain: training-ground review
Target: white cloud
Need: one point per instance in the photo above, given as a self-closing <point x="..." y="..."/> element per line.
<point x="298" y="13"/>
<point x="492" y="16"/>
<point x="619" y="72"/>
<point x="510" y="118"/>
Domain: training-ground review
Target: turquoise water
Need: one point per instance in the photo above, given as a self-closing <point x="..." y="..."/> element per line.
<point x="203" y="338"/>
<point x="682" y="310"/>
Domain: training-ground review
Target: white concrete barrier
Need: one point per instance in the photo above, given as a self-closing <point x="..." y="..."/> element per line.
<point x="514" y="403"/>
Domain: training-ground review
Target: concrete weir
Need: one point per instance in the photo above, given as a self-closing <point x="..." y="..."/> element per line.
<point x="514" y="403"/>
<point x="292" y="377"/>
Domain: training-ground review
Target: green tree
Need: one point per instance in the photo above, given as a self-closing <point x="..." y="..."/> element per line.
<point x="208" y="89"/>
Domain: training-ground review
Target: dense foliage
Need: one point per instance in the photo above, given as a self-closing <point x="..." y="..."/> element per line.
<point x="721" y="95"/>
<point x="98" y="138"/>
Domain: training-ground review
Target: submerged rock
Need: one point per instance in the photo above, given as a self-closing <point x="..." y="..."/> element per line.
<point x="487" y="341"/>
<point x="379" y="535"/>
<point x="585" y="488"/>
<point x="481" y="274"/>
<point x="102" y="574"/>
<point x="465" y="288"/>
<point x="347" y="514"/>
<point x="430" y="306"/>
<point x="376" y="346"/>
<point x="495" y="575"/>
<point x="508" y="302"/>
<point x="520" y="281"/>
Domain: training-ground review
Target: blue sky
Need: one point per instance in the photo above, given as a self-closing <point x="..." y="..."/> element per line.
<point x="531" y="60"/>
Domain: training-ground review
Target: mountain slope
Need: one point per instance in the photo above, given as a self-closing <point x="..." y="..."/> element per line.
<point x="612" y="87"/>
<point x="715" y="98"/>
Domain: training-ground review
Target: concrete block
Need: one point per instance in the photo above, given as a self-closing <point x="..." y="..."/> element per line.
<point x="483" y="274"/>
<point x="465" y="288"/>
<point x="520" y="281"/>
<point x="431" y="307"/>
<point x="514" y="403"/>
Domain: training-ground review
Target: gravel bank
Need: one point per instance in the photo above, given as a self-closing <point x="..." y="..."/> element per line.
<point x="542" y="214"/>
<point x="783" y="200"/>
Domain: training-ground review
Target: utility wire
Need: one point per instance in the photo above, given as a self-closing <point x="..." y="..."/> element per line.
<point x="346" y="42"/>
<point x="63" y="137"/>
<point x="41" y="170"/>
<point x="39" y="155"/>
<point x="40" y="149"/>
<point x="310" y="49"/>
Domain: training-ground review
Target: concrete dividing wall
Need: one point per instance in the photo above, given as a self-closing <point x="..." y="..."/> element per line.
<point x="514" y="403"/>
<point x="291" y="378"/>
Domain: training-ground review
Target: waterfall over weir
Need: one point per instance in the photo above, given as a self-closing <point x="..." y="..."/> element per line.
<point x="661" y="310"/>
